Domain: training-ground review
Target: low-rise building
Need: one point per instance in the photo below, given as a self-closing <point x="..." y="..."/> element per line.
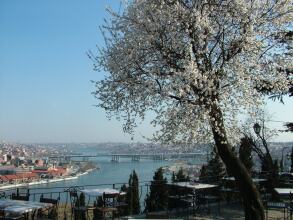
<point x="7" y="169"/>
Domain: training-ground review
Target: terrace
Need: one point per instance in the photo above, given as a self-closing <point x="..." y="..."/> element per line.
<point x="186" y="200"/>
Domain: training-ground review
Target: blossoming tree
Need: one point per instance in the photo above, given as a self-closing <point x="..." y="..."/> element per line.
<point x="196" y="64"/>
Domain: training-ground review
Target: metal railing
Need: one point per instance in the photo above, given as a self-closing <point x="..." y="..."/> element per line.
<point x="62" y="191"/>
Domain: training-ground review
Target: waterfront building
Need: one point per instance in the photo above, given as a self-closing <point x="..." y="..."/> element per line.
<point x="39" y="163"/>
<point x="7" y="169"/>
<point x="49" y="172"/>
<point x="11" y="178"/>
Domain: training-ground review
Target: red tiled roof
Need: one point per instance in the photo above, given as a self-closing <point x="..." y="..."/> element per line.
<point x="3" y="178"/>
<point x="40" y="171"/>
<point x="27" y="175"/>
<point x="18" y="176"/>
<point x="11" y="177"/>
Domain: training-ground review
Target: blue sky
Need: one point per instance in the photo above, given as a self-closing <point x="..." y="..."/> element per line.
<point x="45" y="88"/>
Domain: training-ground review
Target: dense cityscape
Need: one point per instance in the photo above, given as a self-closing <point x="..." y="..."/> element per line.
<point x="31" y="163"/>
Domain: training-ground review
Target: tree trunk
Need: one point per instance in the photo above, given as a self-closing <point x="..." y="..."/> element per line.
<point x="253" y="206"/>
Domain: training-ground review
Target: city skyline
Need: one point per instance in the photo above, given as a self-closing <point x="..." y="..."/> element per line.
<point x="45" y="88"/>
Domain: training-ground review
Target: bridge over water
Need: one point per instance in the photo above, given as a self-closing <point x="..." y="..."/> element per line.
<point x="133" y="157"/>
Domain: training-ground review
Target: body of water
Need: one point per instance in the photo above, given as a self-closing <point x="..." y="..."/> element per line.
<point x="109" y="173"/>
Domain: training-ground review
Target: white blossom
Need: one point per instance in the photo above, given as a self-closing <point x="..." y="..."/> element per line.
<point x="179" y="58"/>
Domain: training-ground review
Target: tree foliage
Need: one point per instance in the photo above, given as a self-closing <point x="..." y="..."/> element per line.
<point x="259" y="140"/>
<point x="80" y="202"/>
<point x="196" y="65"/>
<point x="157" y="198"/>
<point x="180" y="176"/>
<point x="97" y="214"/>
<point x="292" y="160"/>
<point x="133" y="194"/>
<point x="214" y="171"/>
<point x="124" y="199"/>
<point x="287" y="39"/>
<point x="173" y="178"/>
<point x="178" y="58"/>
